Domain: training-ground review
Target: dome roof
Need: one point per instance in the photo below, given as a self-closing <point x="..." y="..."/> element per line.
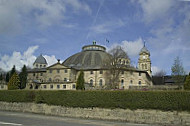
<point x="91" y="57"/>
<point x="144" y="50"/>
<point x="41" y="60"/>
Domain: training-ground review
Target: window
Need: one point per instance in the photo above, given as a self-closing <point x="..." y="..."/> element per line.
<point x="33" y="74"/>
<point x="64" y="86"/>
<point x="142" y="66"/>
<point x="101" y="71"/>
<point x="2" y="86"/>
<point x="66" y="71"/>
<point x="91" y="72"/>
<point x="122" y="72"/>
<point x="40" y="66"/>
<point x="145" y="66"/>
<point x="122" y="82"/>
<point x="139" y="82"/>
<point x="58" y="86"/>
<point x="41" y="74"/>
<point x="36" y="65"/>
<point x="44" y="65"/>
<point x="65" y="79"/>
<point x="49" y="79"/>
<point x="139" y="73"/>
<point x="131" y="82"/>
<point x="50" y="71"/>
<point x="58" y="71"/>
<point x="74" y="86"/>
<point x="51" y="86"/>
<point x="124" y="62"/>
<point x="100" y="82"/>
<point x="91" y="82"/>
<point x="45" y="86"/>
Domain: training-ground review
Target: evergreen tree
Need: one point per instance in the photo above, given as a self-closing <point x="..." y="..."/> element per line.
<point x="14" y="82"/>
<point x="23" y="77"/>
<point x="7" y="77"/>
<point x="187" y="83"/>
<point x="13" y="70"/>
<point x="80" y="81"/>
<point x="1" y="77"/>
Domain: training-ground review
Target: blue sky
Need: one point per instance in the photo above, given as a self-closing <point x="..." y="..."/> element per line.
<point x="59" y="28"/>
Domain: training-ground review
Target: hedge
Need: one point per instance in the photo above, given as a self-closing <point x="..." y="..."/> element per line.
<point x="162" y="100"/>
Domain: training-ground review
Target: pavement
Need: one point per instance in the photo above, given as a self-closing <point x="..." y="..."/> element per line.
<point x="29" y="119"/>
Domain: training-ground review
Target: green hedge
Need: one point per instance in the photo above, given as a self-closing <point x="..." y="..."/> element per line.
<point x="162" y="100"/>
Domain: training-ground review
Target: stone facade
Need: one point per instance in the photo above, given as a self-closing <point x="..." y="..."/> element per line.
<point x="63" y="76"/>
<point x="168" y="118"/>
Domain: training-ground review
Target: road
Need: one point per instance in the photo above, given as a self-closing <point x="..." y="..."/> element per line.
<point x="29" y="119"/>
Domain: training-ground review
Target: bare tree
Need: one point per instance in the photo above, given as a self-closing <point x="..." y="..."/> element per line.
<point x="114" y="66"/>
<point x="178" y="72"/>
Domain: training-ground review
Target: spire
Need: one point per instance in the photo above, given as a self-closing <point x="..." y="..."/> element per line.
<point x="144" y="43"/>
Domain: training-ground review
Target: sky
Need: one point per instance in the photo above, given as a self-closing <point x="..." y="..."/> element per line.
<point x="58" y="29"/>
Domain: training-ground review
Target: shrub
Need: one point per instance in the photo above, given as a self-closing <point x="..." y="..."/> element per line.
<point x="162" y="100"/>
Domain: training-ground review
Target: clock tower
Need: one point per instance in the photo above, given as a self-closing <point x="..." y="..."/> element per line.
<point x="144" y="62"/>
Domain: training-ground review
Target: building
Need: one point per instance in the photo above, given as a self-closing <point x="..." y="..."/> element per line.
<point x="91" y="60"/>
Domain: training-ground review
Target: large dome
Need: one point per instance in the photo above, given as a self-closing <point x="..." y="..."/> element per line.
<point x="91" y="57"/>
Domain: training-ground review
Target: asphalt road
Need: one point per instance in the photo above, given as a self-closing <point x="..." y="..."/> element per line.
<point x="29" y="119"/>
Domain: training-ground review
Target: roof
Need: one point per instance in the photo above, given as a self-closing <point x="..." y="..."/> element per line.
<point x="144" y="50"/>
<point x="91" y="57"/>
<point x="37" y="70"/>
<point x="41" y="60"/>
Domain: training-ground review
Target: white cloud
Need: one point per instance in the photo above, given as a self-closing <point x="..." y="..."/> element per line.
<point x="27" y="58"/>
<point x="106" y="27"/>
<point x="50" y="59"/>
<point x="155" y="9"/>
<point x="15" y="14"/>
<point x="18" y="59"/>
<point x="131" y="47"/>
<point x="155" y="70"/>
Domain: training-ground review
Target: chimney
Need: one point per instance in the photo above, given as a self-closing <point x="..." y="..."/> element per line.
<point x="58" y="60"/>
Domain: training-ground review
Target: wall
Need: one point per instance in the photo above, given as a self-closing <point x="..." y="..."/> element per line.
<point x="134" y="116"/>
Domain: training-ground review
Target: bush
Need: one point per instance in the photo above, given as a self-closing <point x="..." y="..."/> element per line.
<point x="162" y="100"/>
<point x="17" y="96"/>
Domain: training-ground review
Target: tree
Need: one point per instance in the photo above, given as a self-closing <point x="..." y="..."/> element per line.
<point x="187" y="83"/>
<point x="23" y="77"/>
<point x="114" y="66"/>
<point x="13" y="70"/>
<point x="14" y="82"/>
<point x="7" y="77"/>
<point x="1" y="77"/>
<point x="178" y="72"/>
<point x="80" y="81"/>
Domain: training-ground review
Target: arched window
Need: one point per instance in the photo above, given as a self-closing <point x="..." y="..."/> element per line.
<point x="91" y="82"/>
<point x="145" y="66"/>
<point x="131" y="82"/>
<point x="139" y="82"/>
<point x="100" y="82"/>
<point x="142" y="66"/>
<point x="124" y="62"/>
<point x="122" y="82"/>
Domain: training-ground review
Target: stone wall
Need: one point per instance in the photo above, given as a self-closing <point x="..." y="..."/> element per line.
<point x="134" y="116"/>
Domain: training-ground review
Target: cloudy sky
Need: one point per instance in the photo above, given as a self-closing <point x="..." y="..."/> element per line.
<point x="59" y="28"/>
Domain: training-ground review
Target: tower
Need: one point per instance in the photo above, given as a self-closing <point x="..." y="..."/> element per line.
<point x="40" y="62"/>
<point x="144" y="62"/>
